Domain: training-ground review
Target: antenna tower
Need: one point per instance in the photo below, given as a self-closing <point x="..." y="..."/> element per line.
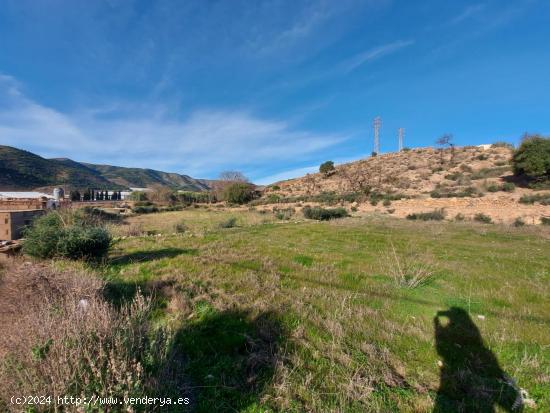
<point x="376" y="124"/>
<point x="401" y="133"/>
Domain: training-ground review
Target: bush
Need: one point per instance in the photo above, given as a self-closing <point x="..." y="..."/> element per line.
<point x="486" y="219"/>
<point x="284" y="214"/>
<point x="239" y="193"/>
<point x="275" y="187"/>
<point x="228" y="223"/>
<point x="543" y="199"/>
<point x="532" y="158"/>
<point x="324" y="214"/>
<point x="502" y="144"/>
<point x="149" y="209"/>
<point x="460" y="217"/>
<point x="508" y="187"/>
<point x="436" y="215"/>
<point x="519" y="222"/>
<point x="68" y="236"/>
<point x="327" y="168"/>
<point x="386" y="202"/>
<point x="545" y="220"/>
<point x="493" y="188"/>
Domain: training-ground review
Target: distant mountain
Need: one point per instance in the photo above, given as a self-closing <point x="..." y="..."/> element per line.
<point x="142" y="178"/>
<point x="23" y="170"/>
<point x="20" y="170"/>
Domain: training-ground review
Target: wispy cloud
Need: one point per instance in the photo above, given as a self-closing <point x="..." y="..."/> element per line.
<point x="374" y="54"/>
<point x="201" y="144"/>
<point x="467" y="13"/>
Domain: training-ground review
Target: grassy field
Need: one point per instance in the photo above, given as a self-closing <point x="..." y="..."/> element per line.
<point x="360" y="314"/>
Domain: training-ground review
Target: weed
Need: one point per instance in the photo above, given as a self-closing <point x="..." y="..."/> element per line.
<point x="436" y="215"/>
<point x="229" y="223"/>
<point x="480" y="217"/>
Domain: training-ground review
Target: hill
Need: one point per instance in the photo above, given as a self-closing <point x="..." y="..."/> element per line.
<point x="20" y="170"/>
<point x="142" y="178"/>
<point x="464" y="181"/>
<point x="23" y="170"/>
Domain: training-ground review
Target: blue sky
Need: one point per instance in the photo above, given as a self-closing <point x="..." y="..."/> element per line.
<point x="271" y="88"/>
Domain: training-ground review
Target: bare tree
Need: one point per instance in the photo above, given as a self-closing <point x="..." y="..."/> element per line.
<point x="233" y="176"/>
<point x="443" y="141"/>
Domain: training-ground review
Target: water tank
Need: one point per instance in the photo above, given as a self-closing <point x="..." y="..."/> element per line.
<point x="58" y="194"/>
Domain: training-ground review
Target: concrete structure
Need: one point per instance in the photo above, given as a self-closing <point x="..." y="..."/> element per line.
<point x="12" y="223"/>
<point x="27" y="200"/>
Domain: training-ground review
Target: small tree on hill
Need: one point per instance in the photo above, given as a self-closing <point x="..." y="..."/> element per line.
<point x="327" y="168"/>
<point x="532" y="158"/>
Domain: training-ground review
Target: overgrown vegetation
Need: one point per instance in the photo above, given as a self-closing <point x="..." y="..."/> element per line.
<point x="67" y="340"/>
<point x="436" y="215"/>
<point x="324" y="214"/>
<point x="67" y="234"/>
<point x="543" y="199"/>
<point x="239" y="193"/>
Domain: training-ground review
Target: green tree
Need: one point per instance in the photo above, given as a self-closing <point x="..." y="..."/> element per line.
<point x="532" y="158"/>
<point x="75" y="196"/>
<point x="239" y="193"/>
<point x="327" y="168"/>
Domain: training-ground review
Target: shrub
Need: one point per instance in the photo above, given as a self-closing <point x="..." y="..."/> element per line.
<point x="324" y="214"/>
<point x="180" y="228"/>
<point x="239" y="193"/>
<point x="543" y="199"/>
<point x="327" y="168"/>
<point x="284" y="214"/>
<point x="406" y="149"/>
<point x="480" y="217"/>
<point x="493" y="188"/>
<point x="149" y="209"/>
<point x="490" y="172"/>
<point x="545" y="220"/>
<point x="386" y="202"/>
<point x="436" y="215"/>
<point x="508" y="187"/>
<point x="502" y="144"/>
<point x="138" y="196"/>
<point x="519" y="222"/>
<point x="275" y="187"/>
<point x="482" y="157"/>
<point x="466" y="168"/>
<point x="68" y="236"/>
<point x="460" y="217"/>
<point x="228" y="223"/>
<point x="532" y="158"/>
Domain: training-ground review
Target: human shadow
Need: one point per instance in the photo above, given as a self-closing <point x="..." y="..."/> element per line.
<point x="223" y="361"/>
<point x="471" y="379"/>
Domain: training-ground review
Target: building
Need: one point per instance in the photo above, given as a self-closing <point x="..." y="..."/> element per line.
<point x="26" y="201"/>
<point x="12" y="223"/>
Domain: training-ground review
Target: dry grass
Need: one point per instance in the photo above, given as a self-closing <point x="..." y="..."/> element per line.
<point x="60" y="337"/>
<point x="407" y="269"/>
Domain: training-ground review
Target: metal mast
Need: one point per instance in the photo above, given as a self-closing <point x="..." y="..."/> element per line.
<point x="377" y="123"/>
<point x="401" y="133"/>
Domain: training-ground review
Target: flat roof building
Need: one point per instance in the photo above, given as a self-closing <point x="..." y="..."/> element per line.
<point x="12" y="223"/>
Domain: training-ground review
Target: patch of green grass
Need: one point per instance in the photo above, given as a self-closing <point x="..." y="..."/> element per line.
<point x="262" y="333"/>
<point x="304" y="260"/>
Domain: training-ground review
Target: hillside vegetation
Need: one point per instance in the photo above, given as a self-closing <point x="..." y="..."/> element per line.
<point x="460" y="182"/>
<point x="22" y="170"/>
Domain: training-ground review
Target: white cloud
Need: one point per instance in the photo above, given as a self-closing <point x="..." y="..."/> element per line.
<point x="468" y="12"/>
<point x="373" y="54"/>
<point x="204" y="143"/>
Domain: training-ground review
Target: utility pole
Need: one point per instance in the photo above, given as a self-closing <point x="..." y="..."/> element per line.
<point x="401" y="133"/>
<point x="376" y="124"/>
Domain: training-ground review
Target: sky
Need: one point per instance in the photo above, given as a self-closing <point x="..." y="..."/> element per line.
<point x="270" y="88"/>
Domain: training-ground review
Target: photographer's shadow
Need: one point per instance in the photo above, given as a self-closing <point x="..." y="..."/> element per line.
<point x="471" y="379"/>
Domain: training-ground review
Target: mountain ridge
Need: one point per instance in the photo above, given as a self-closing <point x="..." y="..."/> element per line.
<point x="24" y="170"/>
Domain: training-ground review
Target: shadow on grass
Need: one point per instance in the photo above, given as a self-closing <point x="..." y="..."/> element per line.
<point x="150" y="255"/>
<point x="230" y="358"/>
<point x="471" y="379"/>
